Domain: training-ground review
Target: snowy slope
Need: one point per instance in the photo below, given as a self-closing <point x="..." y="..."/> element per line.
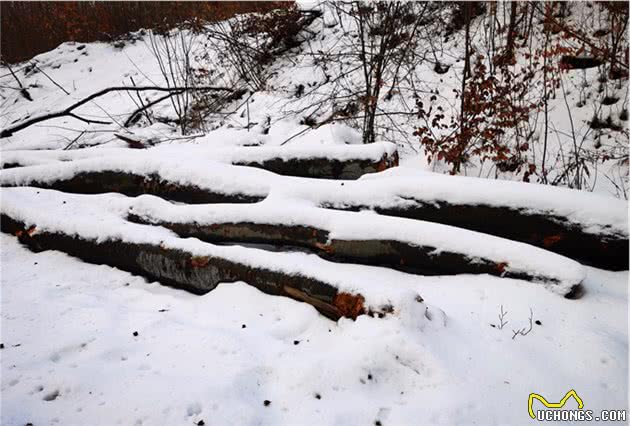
<point x="70" y="356"/>
<point x="272" y="116"/>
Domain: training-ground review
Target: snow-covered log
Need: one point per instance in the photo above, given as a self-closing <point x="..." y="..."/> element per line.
<point x="92" y="228"/>
<point x="590" y="228"/>
<point x="133" y="184"/>
<point x="327" y="162"/>
<point x="367" y="238"/>
<point x="322" y="167"/>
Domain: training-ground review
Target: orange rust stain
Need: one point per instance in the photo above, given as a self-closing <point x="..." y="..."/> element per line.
<point x="349" y="305"/>
<point x="381" y="165"/>
<point x="387" y="162"/>
<point x="325" y="247"/>
<point x="500" y="267"/>
<point x="199" y="261"/>
<point x="21" y="232"/>
<point x="552" y="240"/>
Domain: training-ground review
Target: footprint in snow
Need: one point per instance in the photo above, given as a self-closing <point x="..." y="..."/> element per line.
<point x="193" y="409"/>
<point x="51" y="396"/>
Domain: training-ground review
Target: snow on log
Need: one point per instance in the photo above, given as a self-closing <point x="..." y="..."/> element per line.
<point x="326" y="162"/>
<point x="584" y="226"/>
<point x="367" y="238"/>
<point x="132" y="184"/>
<point x="92" y="228"/>
<point x="587" y="227"/>
<point x="330" y="162"/>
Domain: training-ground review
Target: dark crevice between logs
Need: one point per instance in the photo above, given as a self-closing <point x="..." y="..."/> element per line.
<point x="197" y="274"/>
<point x="544" y="230"/>
<point x="424" y="260"/>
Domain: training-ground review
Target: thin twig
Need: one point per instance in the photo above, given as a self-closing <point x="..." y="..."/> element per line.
<point x="53" y="81"/>
<point x="74" y="140"/>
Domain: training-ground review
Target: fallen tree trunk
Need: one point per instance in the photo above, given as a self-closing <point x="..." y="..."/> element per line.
<point x="545" y="230"/>
<point x="583" y="226"/>
<point x="198" y="274"/>
<point x="335" y="162"/>
<point x="324" y="167"/>
<point x="410" y="246"/>
<point x="132" y="184"/>
<point x="98" y="233"/>
<point x="319" y="168"/>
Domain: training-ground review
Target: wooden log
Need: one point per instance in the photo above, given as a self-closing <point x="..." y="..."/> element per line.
<point x="198" y="274"/>
<point x="323" y="167"/>
<point x="356" y="161"/>
<point x="605" y="247"/>
<point x="131" y="184"/>
<point x="409" y="246"/>
<point x="545" y="230"/>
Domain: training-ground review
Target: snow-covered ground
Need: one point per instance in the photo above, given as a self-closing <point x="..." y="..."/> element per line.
<point x="70" y="356"/>
<point x="90" y="344"/>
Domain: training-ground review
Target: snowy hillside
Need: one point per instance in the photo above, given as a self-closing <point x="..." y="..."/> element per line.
<point x="195" y="231"/>
<point x="302" y="103"/>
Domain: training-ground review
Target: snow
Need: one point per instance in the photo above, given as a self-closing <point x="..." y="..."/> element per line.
<point x="203" y="148"/>
<point x="70" y="356"/>
<point x="594" y="212"/>
<point x="68" y="327"/>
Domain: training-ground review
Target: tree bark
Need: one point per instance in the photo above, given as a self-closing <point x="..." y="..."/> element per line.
<point x="608" y="250"/>
<point x="391" y="253"/>
<point x="197" y="274"/>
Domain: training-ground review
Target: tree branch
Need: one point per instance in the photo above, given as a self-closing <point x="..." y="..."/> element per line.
<point x="68" y="111"/>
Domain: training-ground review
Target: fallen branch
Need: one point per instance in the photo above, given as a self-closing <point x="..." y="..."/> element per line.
<point x="134" y="115"/>
<point x="22" y="89"/>
<point x="51" y="80"/>
<point x="134" y="143"/>
<point x="74" y="141"/>
<point x="525" y="330"/>
<point x="67" y="112"/>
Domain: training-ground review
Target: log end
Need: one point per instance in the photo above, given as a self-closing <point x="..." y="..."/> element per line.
<point x="349" y="305"/>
